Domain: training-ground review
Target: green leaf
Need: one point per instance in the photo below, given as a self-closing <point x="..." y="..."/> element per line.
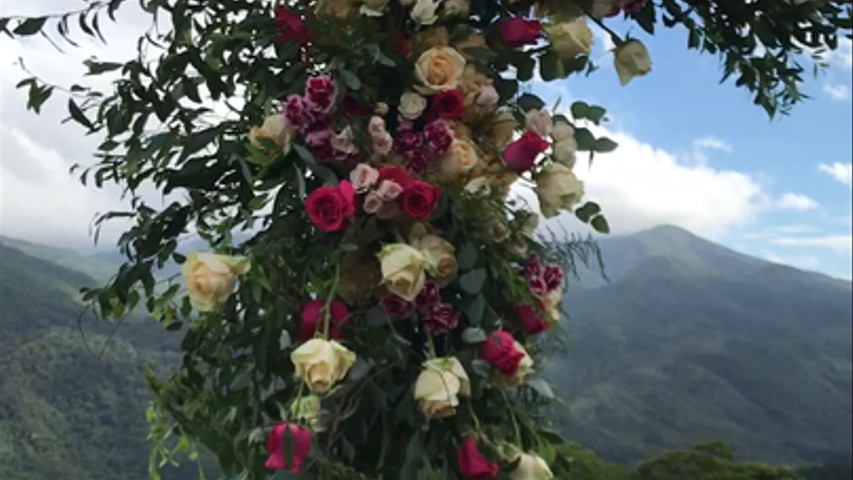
<point x="551" y="67"/>
<point x="481" y="367"/>
<point x="600" y="224"/>
<point x="78" y="115"/>
<point x="586" y="212"/>
<point x="351" y="80"/>
<point x="585" y="139"/>
<point x="605" y="145"/>
<point x="528" y="102"/>
<point x="30" y="26"/>
<point x="467" y="256"/>
<point x="472" y="282"/>
<point x="476" y="309"/>
<point x="376" y="317"/>
<point x="474" y="335"/>
<point x="541" y="386"/>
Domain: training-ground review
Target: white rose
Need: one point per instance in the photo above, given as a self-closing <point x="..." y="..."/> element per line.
<point x="457" y="8"/>
<point x="274" y="128"/>
<point x="531" y="467"/>
<point x="210" y="278"/>
<point x="569" y="39"/>
<point x="412" y="105"/>
<point x="403" y="270"/>
<point x="321" y="363"/>
<point x="631" y="60"/>
<point x="424" y="12"/>
<point x="539" y="121"/>
<point x="557" y="188"/>
<point x="373" y="8"/>
<point x="438" y="386"/>
<point x="479" y="187"/>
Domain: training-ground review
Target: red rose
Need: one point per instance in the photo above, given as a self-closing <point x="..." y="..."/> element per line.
<point x="499" y="350"/>
<point x="520" y="155"/>
<point x="312" y="320"/>
<point x="291" y="440"/>
<point x="418" y="199"/>
<point x="330" y="207"/>
<point x="449" y="104"/>
<point x="291" y="28"/>
<point x="516" y="31"/>
<point x="530" y="320"/>
<point x="472" y="464"/>
<point x="396" y="174"/>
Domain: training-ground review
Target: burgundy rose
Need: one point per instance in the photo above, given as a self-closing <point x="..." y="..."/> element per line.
<point x="472" y="464"/>
<point x="295" y="440"/>
<point x="396" y="174"/>
<point x="290" y="26"/>
<point x="428" y="297"/>
<point x="330" y="207"/>
<point x="449" y="104"/>
<point x="553" y="277"/>
<point x="516" y="32"/>
<point x="408" y="141"/>
<point x="418" y="161"/>
<point x="319" y="141"/>
<point x="418" y="199"/>
<point x="313" y="321"/>
<point x="499" y="350"/>
<point x="530" y="320"/>
<point x="520" y="155"/>
<point x="396" y="307"/>
<point x="319" y="93"/>
<point x="297" y="113"/>
<point x="440" y="319"/>
<point x="438" y="137"/>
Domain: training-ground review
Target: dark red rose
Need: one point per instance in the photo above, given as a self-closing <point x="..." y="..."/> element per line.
<point x="396" y="174"/>
<point x="449" y="104"/>
<point x="520" y="155"/>
<point x="553" y="276"/>
<point x="291" y="440"/>
<point x="440" y="319"/>
<point x="438" y="137"/>
<point x="290" y="26"/>
<point x="616" y="10"/>
<point x="313" y="321"/>
<point x="396" y="307"/>
<point x="472" y="464"/>
<point x="407" y="141"/>
<point x="400" y="46"/>
<point x="319" y="93"/>
<point x="516" y="32"/>
<point x="633" y="6"/>
<point x="428" y="297"/>
<point x="530" y="320"/>
<point x="499" y="350"/>
<point x="418" y="199"/>
<point x="353" y="108"/>
<point x="330" y="207"/>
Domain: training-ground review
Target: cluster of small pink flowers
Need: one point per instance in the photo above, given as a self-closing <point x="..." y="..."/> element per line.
<point x="309" y="114"/>
<point x="541" y="278"/>
<point x="421" y="148"/>
<point x="383" y="142"/>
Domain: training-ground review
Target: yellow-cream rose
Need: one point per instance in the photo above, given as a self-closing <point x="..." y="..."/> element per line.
<point x="531" y="467"/>
<point x="502" y="129"/>
<point x="439" y="69"/>
<point x="210" y="278"/>
<point x="524" y="369"/>
<point x="274" y="128"/>
<point x="557" y="189"/>
<point x="403" y="270"/>
<point x="438" y="386"/>
<point x="321" y="363"/>
<point x="459" y="160"/>
<point x="440" y="257"/>
<point x="569" y="39"/>
<point x="631" y="60"/>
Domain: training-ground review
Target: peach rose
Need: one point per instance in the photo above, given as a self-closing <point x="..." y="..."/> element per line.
<point x="440" y="69"/>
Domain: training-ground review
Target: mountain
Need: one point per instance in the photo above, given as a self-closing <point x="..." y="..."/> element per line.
<point x="72" y="396"/>
<point x="691" y="341"/>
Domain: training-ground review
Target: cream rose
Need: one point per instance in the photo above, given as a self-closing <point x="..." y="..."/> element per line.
<point x="457" y="8"/>
<point x="539" y="121"/>
<point x="321" y="363"/>
<point x="412" y="105"/>
<point x="631" y="60"/>
<point x="569" y="39"/>
<point x="424" y="12"/>
<point x="531" y="467"/>
<point x="440" y="257"/>
<point x="562" y="131"/>
<point x="503" y="128"/>
<point x="403" y="270"/>
<point x="488" y="97"/>
<point x="438" y="386"/>
<point x="210" y="278"/>
<point x="373" y="8"/>
<point x="439" y="69"/>
<point x="551" y="302"/>
<point x="564" y="152"/>
<point x="525" y="367"/>
<point x="479" y="187"/>
<point x="461" y="159"/>
<point x="274" y="128"/>
<point x="557" y="189"/>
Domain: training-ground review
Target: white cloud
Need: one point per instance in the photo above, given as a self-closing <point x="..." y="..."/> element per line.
<point x="777" y="230"/>
<point x="839" y="243"/>
<point x="842" y="57"/>
<point x="796" y="201"/>
<point x="806" y="262"/>
<point x="712" y="143"/>
<point x="842" y="172"/>
<point x="837" y="92"/>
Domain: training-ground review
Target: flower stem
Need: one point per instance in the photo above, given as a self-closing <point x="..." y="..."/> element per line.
<point x="326" y="309"/>
<point x="431" y="344"/>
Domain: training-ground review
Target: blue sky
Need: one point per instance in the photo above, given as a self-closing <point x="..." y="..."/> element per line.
<point x="692" y="152"/>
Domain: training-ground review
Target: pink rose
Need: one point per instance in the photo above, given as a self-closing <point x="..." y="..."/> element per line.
<point x="373" y="203"/>
<point x="363" y="177"/>
<point x="499" y="350"/>
<point x="472" y="464"/>
<point x="530" y="320"/>
<point x="299" y="440"/>
<point x="517" y="32"/>
<point x="376" y="126"/>
<point x="488" y="97"/>
<point x="389" y="190"/>
<point x="520" y="155"/>
<point x="382" y="144"/>
<point x="313" y="321"/>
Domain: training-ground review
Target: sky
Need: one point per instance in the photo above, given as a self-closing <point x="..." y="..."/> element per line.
<point x="692" y="152"/>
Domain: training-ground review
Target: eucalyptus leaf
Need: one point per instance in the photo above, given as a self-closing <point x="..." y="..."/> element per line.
<point x="473" y="281"/>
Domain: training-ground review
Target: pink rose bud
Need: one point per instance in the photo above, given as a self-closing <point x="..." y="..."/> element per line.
<point x="376" y="126"/>
<point x="381" y="109"/>
<point x="373" y="203"/>
<point x="382" y="144"/>
<point x="389" y="190"/>
<point x="363" y="177"/>
<point x="488" y="97"/>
